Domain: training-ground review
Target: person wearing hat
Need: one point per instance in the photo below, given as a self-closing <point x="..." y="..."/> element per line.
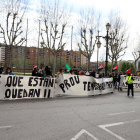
<point x="35" y="71"/>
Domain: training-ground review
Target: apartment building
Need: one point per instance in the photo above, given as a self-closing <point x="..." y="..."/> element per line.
<point x="74" y="58"/>
<point x="2" y="55"/>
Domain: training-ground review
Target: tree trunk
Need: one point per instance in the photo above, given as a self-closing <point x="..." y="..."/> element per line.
<point x="54" y="64"/>
<point x="88" y="64"/>
<point x="135" y="66"/>
<point x="11" y="56"/>
<point x="115" y="65"/>
<point x="112" y="65"/>
<point x="115" y="62"/>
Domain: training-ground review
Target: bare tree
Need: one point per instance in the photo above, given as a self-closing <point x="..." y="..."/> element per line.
<point x="87" y="26"/>
<point x="119" y="42"/>
<point x="55" y="19"/>
<point x="136" y="58"/>
<point x="136" y="54"/>
<point x="12" y="28"/>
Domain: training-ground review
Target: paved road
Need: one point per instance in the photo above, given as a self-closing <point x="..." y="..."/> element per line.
<point x="102" y="117"/>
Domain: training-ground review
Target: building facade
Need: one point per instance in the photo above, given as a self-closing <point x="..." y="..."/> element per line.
<point x="42" y="55"/>
<point x="2" y="55"/>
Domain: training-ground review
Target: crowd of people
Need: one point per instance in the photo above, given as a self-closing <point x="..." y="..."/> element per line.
<point x="40" y="72"/>
<point x="47" y="73"/>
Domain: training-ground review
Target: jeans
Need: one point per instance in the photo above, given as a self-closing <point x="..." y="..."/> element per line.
<point x="115" y="84"/>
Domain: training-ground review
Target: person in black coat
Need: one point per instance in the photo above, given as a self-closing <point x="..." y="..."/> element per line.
<point x="115" y="79"/>
<point x="92" y="74"/>
<point x="35" y="72"/>
<point x="1" y="70"/>
<point x="48" y="72"/>
<point x="119" y="79"/>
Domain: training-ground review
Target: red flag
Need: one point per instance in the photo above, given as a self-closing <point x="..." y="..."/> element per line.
<point x="128" y="71"/>
<point x="100" y="67"/>
<point x="115" y="68"/>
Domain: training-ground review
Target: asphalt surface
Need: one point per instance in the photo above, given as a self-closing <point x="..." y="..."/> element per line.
<point x="112" y="116"/>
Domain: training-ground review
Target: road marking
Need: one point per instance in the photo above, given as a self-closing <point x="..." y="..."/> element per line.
<point x="104" y="127"/>
<point x="5" y="126"/>
<point x="82" y="132"/>
<point x="121" y="113"/>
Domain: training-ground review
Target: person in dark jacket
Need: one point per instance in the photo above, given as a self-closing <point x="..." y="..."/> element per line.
<point x="35" y="72"/>
<point x="92" y="73"/>
<point x="119" y="78"/>
<point x="100" y="75"/>
<point x="48" y="72"/>
<point x="110" y="75"/>
<point x="1" y="70"/>
<point x="66" y="71"/>
<point x="115" y="79"/>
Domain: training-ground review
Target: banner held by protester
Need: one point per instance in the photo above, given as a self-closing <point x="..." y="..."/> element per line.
<point x="18" y="87"/>
<point x="84" y="85"/>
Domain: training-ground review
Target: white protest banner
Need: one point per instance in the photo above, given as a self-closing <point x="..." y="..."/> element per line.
<point x="136" y="82"/>
<point x="18" y="87"/>
<point x="84" y="85"/>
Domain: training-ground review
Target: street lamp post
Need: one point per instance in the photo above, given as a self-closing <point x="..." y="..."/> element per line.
<point x="107" y="38"/>
<point x="98" y="46"/>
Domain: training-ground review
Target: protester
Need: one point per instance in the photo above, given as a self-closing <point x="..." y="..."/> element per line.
<point x="110" y="75"/>
<point x="35" y="71"/>
<point x="1" y="70"/>
<point x="115" y="79"/>
<point x="48" y="72"/>
<point x="92" y="73"/>
<point x="8" y="71"/>
<point x="100" y="75"/>
<point x="129" y="80"/>
<point x="71" y="72"/>
<point x="41" y="72"/>
<point x="82" y="73"/>
<point x="66" y="71"/>
<point x="119" y="78"/>
<point x="87" y="73"/>
<point x="76" y="72"/>
<point x="60" y="79"/>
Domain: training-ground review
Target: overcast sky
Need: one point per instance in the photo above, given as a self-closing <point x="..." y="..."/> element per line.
<point x="129" y="11"/>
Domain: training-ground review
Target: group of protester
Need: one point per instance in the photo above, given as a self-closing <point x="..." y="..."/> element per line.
<point x="42" y="72"/>
<point x="59" y="77"/>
